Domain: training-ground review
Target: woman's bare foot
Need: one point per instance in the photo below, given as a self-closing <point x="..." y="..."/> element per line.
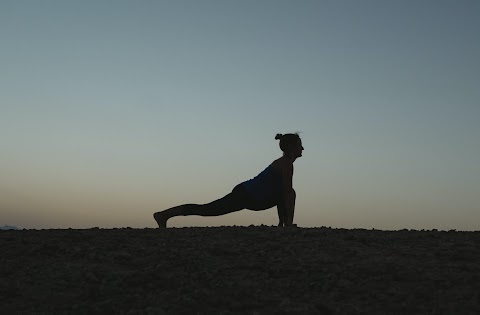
<point x="161" y="220"/>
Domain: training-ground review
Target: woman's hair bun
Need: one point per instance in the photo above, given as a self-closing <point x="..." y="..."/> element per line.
<point x="278" y="136"/>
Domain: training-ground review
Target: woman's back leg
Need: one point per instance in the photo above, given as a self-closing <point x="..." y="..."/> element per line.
<point x="232" y="202"/>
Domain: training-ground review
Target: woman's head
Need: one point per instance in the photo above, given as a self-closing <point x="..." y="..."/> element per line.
<point x="290" y="144"/>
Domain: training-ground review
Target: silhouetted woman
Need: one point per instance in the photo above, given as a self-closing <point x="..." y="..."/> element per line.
<point x="272" y="187"/>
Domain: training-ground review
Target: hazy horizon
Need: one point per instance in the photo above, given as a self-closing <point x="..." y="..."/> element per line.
<point x="112" y="110"/>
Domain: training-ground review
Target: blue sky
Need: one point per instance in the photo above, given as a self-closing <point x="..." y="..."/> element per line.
<point x="112" y="110"/>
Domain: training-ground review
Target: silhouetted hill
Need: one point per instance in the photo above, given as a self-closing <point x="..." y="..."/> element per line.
<point x="8" y="227"/>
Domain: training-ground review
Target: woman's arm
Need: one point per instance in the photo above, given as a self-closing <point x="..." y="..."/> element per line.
<point x="288" y="195"/>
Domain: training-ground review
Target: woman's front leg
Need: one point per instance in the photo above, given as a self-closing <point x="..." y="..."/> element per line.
<point x="289" y="206"/>
<point x="282" y="214"/>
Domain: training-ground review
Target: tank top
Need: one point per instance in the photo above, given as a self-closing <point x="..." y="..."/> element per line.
<point x="266" y="186"/>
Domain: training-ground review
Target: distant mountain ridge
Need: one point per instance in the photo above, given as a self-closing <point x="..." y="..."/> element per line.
<point x="8" y="227"/>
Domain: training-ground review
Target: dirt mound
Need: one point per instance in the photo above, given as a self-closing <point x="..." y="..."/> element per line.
<point x="231" y="270"/>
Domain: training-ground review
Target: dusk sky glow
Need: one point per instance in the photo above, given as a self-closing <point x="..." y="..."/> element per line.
<point x="112" y="110"/>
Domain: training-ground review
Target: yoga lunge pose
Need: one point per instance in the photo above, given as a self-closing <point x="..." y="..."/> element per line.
<point x="272" y="187"/>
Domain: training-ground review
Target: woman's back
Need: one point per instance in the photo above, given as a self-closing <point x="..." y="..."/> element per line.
<point x="266" y="186"/>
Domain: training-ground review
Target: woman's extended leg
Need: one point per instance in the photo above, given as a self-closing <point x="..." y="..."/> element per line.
<point x="232" y="202"/>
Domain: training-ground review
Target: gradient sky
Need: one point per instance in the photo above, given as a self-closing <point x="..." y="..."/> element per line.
<point x="112" y="110"/>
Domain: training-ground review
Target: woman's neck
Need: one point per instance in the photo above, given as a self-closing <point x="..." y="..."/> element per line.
<point x="289" y="158"/>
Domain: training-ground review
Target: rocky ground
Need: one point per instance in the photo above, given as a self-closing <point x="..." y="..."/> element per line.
<point x="239" y="270"/>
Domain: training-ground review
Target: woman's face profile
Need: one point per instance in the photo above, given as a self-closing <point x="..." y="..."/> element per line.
<point x="297" y="148"/>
